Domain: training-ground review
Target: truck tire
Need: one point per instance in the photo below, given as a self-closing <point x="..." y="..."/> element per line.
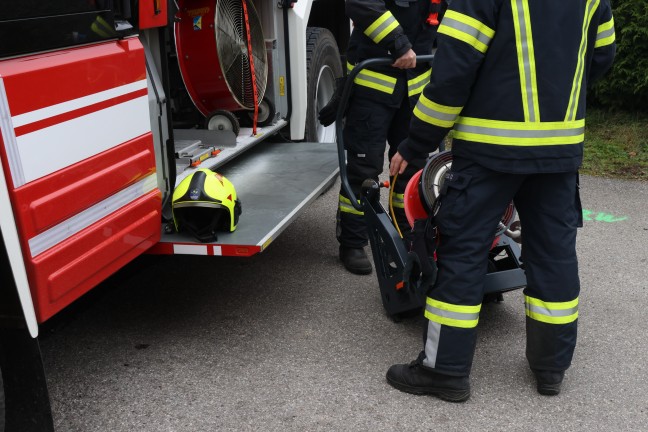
<point x="323" y="66"/>
<point x="2" y="405"/>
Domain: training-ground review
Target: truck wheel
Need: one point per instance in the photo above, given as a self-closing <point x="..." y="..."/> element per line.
<point x="2" y="405"/>
<point x="323" y="66"/>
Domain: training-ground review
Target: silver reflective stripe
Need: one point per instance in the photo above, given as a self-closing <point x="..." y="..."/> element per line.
<point x="435" y="113"/>
<point x="346" y="206"/>
<point x="514" y="133"/>
<point x="375" y="34"/>
<point x="526" y="59"/>
<point x="197" y="204"/>
<point x="397" y="200"/>
<point x="571" y="110"/>
<point x="452" y="315"/>
<point x="432" y="344"/>
<point x="605" y="34"/>
<point x="551" y="312"/>
<point x="84" y="219"/>
<point x="376" y="81"/>
<point x="417" y="84"/>
<point x="465" y="28"/>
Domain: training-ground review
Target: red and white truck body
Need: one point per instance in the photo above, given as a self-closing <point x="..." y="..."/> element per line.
<point x="77" y="149"/>
<point x="91" y="129"/>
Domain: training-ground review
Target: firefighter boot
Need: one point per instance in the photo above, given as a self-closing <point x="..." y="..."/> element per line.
<point x="355" y="260"/>
<point x="548" y="382"/>
<point x="417" y="379"/>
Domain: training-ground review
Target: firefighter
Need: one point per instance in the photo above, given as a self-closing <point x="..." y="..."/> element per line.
<point x="380" y="108"/>
<point x="509" y="77"/>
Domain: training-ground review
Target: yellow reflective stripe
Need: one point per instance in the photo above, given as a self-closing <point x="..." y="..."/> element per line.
<point x="551" y="312"/>
<point x="451" y="314"/>
<point x="374" y="80"/>
<point x="572" y="106"/>
<point x="605" y="41"/>
<point x="436" y="114"/>
<point x="467" y="29"/>
<point x="605" y="34"/>
<point x="102" y="28"/>
<point x="519" y="133"/>
<point x="345" y="206"/>
<point x="416" y="85"/>
<point x="526" y="59"/>
<point x="380" y="28"/>
<point x="398" y="200"/>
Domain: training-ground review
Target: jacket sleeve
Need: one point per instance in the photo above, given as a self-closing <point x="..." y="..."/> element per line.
<point x="463" y="39"/>
<point x="605" y="45"/>
<point x="374" y="19"/>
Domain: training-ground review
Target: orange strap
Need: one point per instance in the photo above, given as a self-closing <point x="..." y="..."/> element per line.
<point x="251" y="58"/>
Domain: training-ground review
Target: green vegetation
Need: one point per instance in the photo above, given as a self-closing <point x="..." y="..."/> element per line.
<point x="626" y="86"/>
<point x="616" y="144"/>
<point x="616" y="131"/>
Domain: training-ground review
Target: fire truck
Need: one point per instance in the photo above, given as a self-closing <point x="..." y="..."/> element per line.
<point x="107" y="105"/>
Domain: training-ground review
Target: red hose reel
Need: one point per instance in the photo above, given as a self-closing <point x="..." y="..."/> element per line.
<point x="424" y="188"/>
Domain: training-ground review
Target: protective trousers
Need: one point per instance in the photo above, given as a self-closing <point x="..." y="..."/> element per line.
<point x="371" y="123"/>
<point x="472" y="202"/>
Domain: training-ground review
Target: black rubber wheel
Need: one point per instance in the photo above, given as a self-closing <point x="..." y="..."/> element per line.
<point x="2" y="405"/>
<point x="222" y="120"/>
<point x="323" y="66"/>
<point x="266" y="114"/>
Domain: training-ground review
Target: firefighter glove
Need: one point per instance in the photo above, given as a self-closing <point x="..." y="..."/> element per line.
<point x="326" y="115"/>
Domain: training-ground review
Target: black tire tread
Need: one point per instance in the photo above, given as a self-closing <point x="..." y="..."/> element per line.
<point x="316" y="37"/>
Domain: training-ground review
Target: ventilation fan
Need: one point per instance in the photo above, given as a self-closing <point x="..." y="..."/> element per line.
<point x="221" y="54"/>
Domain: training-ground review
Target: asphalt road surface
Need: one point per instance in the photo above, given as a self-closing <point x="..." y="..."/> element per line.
<point x="289" y="341"/>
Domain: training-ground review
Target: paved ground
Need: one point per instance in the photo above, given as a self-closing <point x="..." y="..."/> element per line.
<point x="288" y="341"/>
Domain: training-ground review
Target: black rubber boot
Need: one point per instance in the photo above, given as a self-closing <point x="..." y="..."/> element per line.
<point x="417" y="379"/>
<point x="549" y="382"/>
<point x="355" y="260"/>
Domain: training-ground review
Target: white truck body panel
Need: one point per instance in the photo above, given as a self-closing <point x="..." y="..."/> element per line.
<point x="10" y="235"/>
<point x="297" y="23"/>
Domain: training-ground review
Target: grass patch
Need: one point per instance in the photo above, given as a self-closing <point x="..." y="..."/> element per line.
<point x="616" y="144"/>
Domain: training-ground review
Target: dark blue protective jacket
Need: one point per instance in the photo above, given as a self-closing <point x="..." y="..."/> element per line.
<point x="509" y="78"/>
<point x="389" y="28"/>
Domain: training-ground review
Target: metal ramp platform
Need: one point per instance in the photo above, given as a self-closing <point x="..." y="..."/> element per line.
<point x="275" y="182"/>
<point x="227" y="145"/>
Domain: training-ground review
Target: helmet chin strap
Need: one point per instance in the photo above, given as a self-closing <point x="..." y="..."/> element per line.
<point x="205" y="234"/>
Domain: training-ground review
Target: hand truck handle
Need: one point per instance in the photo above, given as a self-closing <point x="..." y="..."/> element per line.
<point x="344" y="100"/>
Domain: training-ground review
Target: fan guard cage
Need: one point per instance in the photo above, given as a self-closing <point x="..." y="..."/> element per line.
<point x="233" y="54"/>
